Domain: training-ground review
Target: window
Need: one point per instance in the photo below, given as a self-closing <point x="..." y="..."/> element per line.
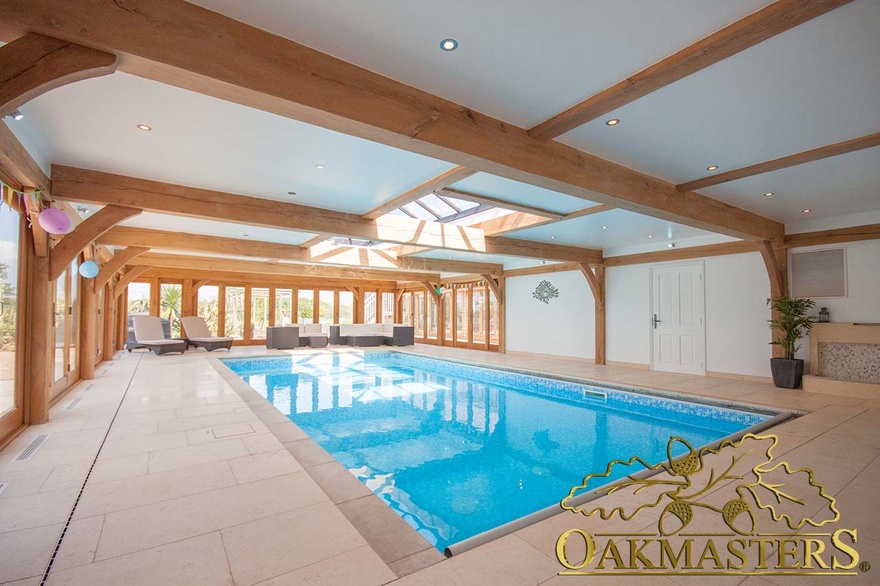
<point x="431" y="309"/>
<point x="478" y="314"/>
<point x="461" y="315"/>
<point x="170" y="298"/>
<point x="235" y="312"/>
<point x="284" y="307"/>
<point x="387" y="308"/>
<point x="73" y="317"/>
<point x="406" y="309"/>
<point x="139" y="298"/>
<point x="10" y="225"/>
<point x="60" y="326"/>
<point x="259" y="313"/>
<point x="346" y="307"/>
<point x="419" y="313"/>
<point x="447" y="315"/>
<point x="326" y="307"/>
<point x="494" y="323"/>
<point x="370" y="309"/>
<point x="209" y="307"/>
<point x="306" y="306"/>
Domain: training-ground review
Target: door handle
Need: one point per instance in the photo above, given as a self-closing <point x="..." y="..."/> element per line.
<point x="656" y="321"/>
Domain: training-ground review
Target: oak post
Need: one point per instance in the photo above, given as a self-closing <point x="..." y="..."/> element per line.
<point x="88" y="317"/>
<point x="110" y="317"/>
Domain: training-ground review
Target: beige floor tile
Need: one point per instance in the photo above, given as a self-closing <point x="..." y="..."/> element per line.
<point x="288" y="541"/>
<point x="177" y="458"/>
<point x="508" y="560"/>
<point x="265" y="465"/>
<point x="26" y="553"/>
<point x="138" y="445"/>
<point x="308" y="453"/>
<point x="36" y="510"/>
<point x="204" y="410"/>
<point x="287" y="431"/>
<point x="128" y="493"/>
<point x="23" y="482"/>
<point x="80" y="543"/>
<point x="387" y="533"/>
<point x="360" y="566"/>
<point x="206" y="421"/>
<point x="417" y="561"/>
<point x="199" y="561"/>
<point x="109" y="469"/>
<point x="63" y="477"/>
<point x="186" y="517"/>
<point x="262" y="443"/>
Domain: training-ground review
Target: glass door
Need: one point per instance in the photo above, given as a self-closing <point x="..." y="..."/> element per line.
<point x="284" y="307"/>
<point x="10" y="391"/>
<point x="259" y="313"/>
<point x="234" y="313"/>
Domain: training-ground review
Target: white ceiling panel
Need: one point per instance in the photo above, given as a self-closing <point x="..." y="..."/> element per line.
<point x="811" y="86"/>
<point x="214" y="228"/>
<point x="516" y="192"/>
<point x="519" y="61"/>
<point x="836" y="186"/>
<point x="623" y="229"/>
<point x="205" y="142"/>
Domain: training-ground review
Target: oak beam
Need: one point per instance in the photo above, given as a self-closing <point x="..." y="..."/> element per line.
<point x="110" y="317"/>
<point x="34" y="64"/>
<point x="775" y="261"/>
<point x="732" y="39"/>
<point x="495" y="286"/>
<point x="144" y="237"/>
<point x="119" y="260"/>
<point x="131" y="273"/>
<point x="87" y="335"/>
<point x="499" y="203"/>
<point x="454" y="175"/>
<point x="121" y="302"/>
<point x="104" y="188"/>
<point x="173" y="261"/>
<point x="17" y="168"/>
<point x="596" y="280"/>
<point x="249" y="66"/>
<point x="833" y="150"/>
<point x="73" y="243"/>
<point x="432" y="292"/>
<point x="687" y="253"/>
<point x="834" y="236"/>
<point x="39" y="322"/>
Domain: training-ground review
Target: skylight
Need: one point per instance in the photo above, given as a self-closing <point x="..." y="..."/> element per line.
<point x="446" y="209"/>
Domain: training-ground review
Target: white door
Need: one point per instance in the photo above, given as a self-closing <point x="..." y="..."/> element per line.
<point x="677" y="318"/>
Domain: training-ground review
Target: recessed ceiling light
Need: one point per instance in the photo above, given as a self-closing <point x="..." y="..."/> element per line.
<point x="449" y="44"/>
<point x="613" y="122"/>
<point x="246" y="235"/>
<point x="711" y="167"/>
<point x="604" y="227"/>
<point x="543" y="262"/>
<point x="650" y="235"/>
<point x="319" y="167"/>
<point x="670" y="245"/>
<point x="768" y="194"/>
<point x="807" y="211"/>
<point x="144" y="127"/>
<point x="15" y="115"/>
<point x="553" y="238"/>
<point x="291" y="193"/>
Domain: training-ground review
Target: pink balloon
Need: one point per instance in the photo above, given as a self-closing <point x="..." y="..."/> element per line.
<point x="54" y="221"/>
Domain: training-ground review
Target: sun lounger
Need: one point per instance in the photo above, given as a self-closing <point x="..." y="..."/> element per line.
<point x="148" y="333"/>
<point x="197" y="334"/>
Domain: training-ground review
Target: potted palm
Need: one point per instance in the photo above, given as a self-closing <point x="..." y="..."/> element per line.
<point x="791" y="322"/>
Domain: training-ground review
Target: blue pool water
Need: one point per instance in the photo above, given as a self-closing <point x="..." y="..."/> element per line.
<point x="456" y="449"/>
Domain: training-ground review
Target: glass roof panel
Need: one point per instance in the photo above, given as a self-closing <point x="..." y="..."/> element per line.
<point x="461" y="204"/>
<point x="419" y="212"/>
<point x="438" y="206"/>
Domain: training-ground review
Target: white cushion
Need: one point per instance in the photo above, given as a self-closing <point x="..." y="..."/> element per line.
<point x="360" y="330"/>
<point x="147" y="328"/>
<point x="311" y="329"/>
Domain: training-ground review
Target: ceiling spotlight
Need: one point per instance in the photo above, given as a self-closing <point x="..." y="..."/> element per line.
<point x="144" y="127"/>
<point x="246" y="235"/>
<point x="768" y="194"/>
<point x="650" y="235"/>
<point x="15" y="115"/>
<point x="670" y="245"/>
<point x="711" y="167"/>
<point x="319" y="167"/>
<point x="449" y="45"/>
<point x="82" y="209"/>
<point x="553" y="238"/>
<point x="807" y="211"/>
<point x="613" y="122"/>
<point x="543" y="262"/>
<point x="291" y="193"/>
<point x="604" y="227"/>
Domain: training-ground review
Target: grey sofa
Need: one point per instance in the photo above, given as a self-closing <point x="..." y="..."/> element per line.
<point x="372" y="335"/>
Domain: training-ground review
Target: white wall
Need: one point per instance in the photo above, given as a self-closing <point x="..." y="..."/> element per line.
<point x="737" y="288"/>
<point x="628" y="314"/>
<point x="862" y="303"/>
<point x="564" y="327"/>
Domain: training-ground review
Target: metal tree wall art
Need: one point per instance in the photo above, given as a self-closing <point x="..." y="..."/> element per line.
<point x="545" y="291"/>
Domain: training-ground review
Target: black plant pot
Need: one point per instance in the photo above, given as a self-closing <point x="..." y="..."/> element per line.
<point x="787" y="374"/>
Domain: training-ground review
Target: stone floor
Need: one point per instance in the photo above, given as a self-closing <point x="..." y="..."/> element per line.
<point x="198" y="482"/>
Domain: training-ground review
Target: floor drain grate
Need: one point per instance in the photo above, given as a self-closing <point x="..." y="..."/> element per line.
<point x="31" y="449"/>
<point x="3" y="486"/>
<point x="89" y="388"/>
<point x="73" y="404"/>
